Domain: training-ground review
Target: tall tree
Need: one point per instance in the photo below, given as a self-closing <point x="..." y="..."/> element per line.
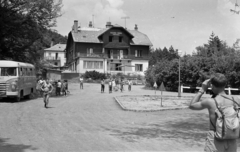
<point x="23" y="24"/>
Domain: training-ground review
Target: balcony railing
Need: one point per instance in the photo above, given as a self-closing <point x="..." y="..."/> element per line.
<point x="119" y="57"/>
<point x="52" y="58"/>
<point x="92" y="55"/>
<point x="108" y="56"/>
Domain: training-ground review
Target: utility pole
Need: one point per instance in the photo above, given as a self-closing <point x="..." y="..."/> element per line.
<point x="93" y="19"/>
<point x="125" y="18"/>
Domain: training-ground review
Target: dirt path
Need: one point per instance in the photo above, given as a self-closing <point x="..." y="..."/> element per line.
<point x="90" y="121"/>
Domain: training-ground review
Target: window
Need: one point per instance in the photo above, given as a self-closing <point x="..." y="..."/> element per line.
<point x="49" y="54"/>
<point x="90" y="51"/>
<point x="120" y="38"/>
<point x="8" y="71"/>
<point x="56" y="63"/>
<point x="138" y="53"/>
<point x="138" y="67"/>
<point x="110" y="38"/>
<point x="92" y="64"/>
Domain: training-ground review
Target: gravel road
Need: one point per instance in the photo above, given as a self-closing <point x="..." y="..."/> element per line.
<point x="88" y="120"/>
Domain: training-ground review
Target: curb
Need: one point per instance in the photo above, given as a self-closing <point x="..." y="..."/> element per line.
<point x="134" y="110"/>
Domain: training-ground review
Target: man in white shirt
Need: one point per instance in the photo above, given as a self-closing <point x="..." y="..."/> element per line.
<point x="81" y="82"/>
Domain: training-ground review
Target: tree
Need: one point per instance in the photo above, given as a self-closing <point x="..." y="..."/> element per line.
<point x="23" y="24"/>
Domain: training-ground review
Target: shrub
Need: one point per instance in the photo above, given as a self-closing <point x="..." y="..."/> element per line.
<point x="94" y="75"/>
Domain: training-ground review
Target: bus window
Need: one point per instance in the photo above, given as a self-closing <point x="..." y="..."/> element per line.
<point x="31" y="72"/>
<point x="8" y="71"/>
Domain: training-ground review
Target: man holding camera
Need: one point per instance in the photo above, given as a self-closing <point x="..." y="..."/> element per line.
<point x="217" y="83"/>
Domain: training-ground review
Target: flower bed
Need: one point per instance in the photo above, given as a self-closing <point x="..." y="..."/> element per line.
<point x="152" y="103"/>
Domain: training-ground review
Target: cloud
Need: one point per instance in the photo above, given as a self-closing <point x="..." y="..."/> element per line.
<point x="115" y="3"/>
<point x="84" y="10"/>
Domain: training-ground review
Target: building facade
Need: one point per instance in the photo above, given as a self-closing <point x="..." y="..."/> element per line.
<point x="113" y="49"/>
<point x="56" y="55"/>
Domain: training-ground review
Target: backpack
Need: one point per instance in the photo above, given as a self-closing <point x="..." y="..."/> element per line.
<point x="227" y="121"/>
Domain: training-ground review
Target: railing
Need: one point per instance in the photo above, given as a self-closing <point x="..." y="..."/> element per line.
<point x="197" y="88"/>
<point x="108" y="56"/>
<point x="126" y="57"/>
<point x="92" y="55"/>
<point x="52" y="58"/>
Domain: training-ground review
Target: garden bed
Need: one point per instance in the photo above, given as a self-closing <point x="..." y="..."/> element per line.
<point x="148" y="103"/>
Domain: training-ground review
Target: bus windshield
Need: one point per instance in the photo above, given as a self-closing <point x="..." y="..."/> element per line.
<point x="8" y="71"/>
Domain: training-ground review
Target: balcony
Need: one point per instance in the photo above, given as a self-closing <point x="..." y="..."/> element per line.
<point x="51" y="58"/>
<point x="92" y="55"/>
<point x="126" y="57"/>
<point x="110" y="57"/>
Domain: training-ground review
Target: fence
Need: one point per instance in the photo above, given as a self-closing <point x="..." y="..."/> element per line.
<point x="197" y="88"/>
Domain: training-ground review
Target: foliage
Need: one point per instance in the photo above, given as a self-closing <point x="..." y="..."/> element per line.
<point x="159" y="54"/>
<point x="215" y="56"/>
<point x="24" y="25"/>
<point x="94" y="75"/>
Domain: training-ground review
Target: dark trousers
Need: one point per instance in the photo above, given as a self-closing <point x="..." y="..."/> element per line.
<point x="58" y="91"/>
<point x="121" y="88"/>
<point x="129" y="87"/>
<point x="102" y="87"/>
<point x="110" y="89"/>
<point x="81" y="85"/>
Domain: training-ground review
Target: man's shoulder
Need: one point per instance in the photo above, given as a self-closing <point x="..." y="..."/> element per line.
<point x="208" y="102"/>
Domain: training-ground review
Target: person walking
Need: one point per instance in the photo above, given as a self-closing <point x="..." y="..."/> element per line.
<point x="214" y="105"/>
<point x="113" y="84"/>
<point x="47" y="90"/>
<point x="65" y="87"/>
<point x="102" y="86"/>
<point x="58" y="89"/>
<point x="81" y="82"/>
<point x="129" y="85"/>
<point x="110" y="86"/>
<point x="121" y="83"/>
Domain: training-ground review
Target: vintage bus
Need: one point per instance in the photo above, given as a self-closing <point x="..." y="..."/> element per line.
<point x="17" y="79"/>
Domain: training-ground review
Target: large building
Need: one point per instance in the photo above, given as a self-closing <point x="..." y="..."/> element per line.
<point x="112" y="49"/>
<point x="56" y="55"/>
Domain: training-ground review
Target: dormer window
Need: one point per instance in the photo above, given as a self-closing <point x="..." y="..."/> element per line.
<point x="120" y="38"/>
<point x="110" y="38"/>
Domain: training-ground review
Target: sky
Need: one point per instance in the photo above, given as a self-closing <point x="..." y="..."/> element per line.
<point x="184" y="24"/>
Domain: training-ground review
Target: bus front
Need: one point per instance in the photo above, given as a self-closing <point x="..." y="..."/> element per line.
<point x="8" y="82"/>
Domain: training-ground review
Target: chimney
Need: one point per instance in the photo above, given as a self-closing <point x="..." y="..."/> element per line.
<point x="75" y="26"/>
<point x="108" y="25"/>
<point x="52" y="41"/>
<point x="136" y="27"/>
<point x="90" y="24"/>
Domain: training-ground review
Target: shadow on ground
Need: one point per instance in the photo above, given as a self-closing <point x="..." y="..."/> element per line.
<point x="5" y="147"/>
<point x="185" y="129"/>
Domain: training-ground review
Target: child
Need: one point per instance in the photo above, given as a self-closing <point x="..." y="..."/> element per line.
<point x="102" y="86"/>
<point x="110" y="86"/>
<point x="129" y="85"/>
<point x="65" y="87"/>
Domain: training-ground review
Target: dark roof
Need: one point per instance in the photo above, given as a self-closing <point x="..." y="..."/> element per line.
<point x="57" y="47"/>
<point x="90" y="35"/>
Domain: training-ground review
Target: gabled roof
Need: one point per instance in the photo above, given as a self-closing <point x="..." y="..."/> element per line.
<point x="117" y="26"/>
<point x="91" y="35"/>
<point x="57" y="47"/>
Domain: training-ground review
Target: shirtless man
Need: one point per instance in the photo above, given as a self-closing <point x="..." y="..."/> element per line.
<point x="47" y="89"/>
<point x="218" y="83"/>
